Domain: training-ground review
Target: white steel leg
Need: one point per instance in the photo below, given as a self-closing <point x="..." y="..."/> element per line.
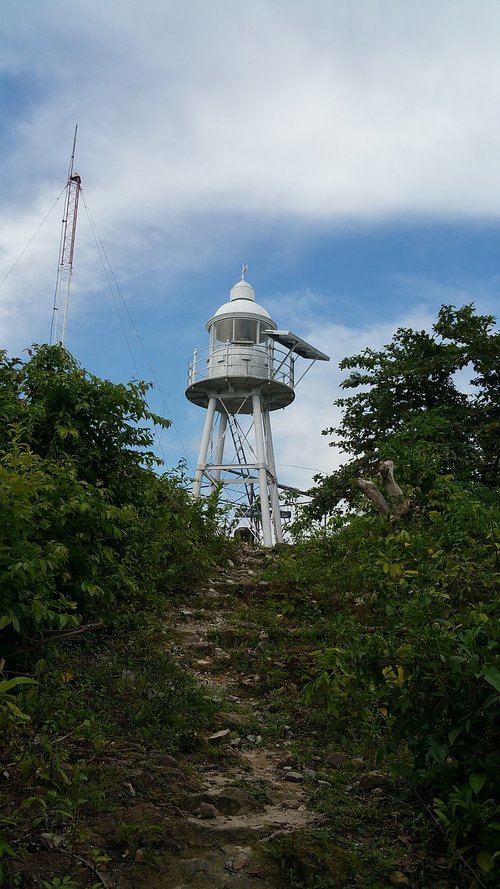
<point x="273" y="482"/>
<point x="205" y="441"/>
<point x="262" y="467"/>
<point x="219" y="450"/>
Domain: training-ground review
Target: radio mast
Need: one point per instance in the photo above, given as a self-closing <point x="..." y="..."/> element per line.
<point x="66" y="251"/>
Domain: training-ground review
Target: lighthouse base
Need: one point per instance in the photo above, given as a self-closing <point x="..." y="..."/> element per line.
<point x="242" y="459"/>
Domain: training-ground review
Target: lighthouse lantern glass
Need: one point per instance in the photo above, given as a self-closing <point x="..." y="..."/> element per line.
<point x="238" y="330"/>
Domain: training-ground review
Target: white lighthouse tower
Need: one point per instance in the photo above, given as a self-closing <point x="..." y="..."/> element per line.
<point x="246" y="372"/>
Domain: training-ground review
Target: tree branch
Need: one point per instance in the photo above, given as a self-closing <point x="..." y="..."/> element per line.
<point x="371" y="491"/>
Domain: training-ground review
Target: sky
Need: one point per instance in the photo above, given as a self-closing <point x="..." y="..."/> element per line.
<point x="348" y="151"/>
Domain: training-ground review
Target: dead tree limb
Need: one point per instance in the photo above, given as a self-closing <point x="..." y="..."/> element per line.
<point x="62" y="634"/>
<point x="371" y="491"/>
<point x="398" y="504"/>
<point x="386" y="476"/>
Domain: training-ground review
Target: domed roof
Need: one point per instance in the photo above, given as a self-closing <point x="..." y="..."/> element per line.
<point x="242" y="307"/>
<point x="242" y="290"/>
<point x="241" y="302"/>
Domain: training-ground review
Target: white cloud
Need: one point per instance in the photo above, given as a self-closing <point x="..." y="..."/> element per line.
<point x="339" y="110"/>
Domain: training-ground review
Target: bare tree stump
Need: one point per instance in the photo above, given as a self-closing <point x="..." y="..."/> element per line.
<point x="399" y="505"/>
<point x="371" y="491"/>
<point x="386" y="476"/>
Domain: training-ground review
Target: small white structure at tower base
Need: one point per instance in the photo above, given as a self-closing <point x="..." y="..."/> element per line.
<point x="246" y="372"/>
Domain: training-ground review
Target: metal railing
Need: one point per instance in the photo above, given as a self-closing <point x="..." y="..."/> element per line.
<point x="264" y="361"/>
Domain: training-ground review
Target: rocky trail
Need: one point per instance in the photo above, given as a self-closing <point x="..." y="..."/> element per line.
<point x="254" y="792"/>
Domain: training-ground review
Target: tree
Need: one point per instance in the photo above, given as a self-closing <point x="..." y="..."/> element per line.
<point x="87" y="526"/>
<point x="425" y="567"/>
<point x="79" y="502"/>
<point x="428" y="401"/>
<point x="71" y="416"/>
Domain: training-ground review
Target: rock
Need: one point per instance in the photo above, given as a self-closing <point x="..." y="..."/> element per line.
<point x="246" y="584"/>
<point x="236" y="864"/>
<point x="219" y="738"/>
<point x="372" y="780"/>
<point x="194" y="867"/>
<point x="230" y="563"/>
<point x="52" y="840"/>
<point x="128" y="676"/>
<point x="397" y="878"/>
<point x="165" y="759"/>
<point x="358" y="762"/>
<point x="237" y="720"/>
<point x="294" y="777"/>
<point x="336" y="759"/>
<point x="207" y="810"/>
<point x="139" y="856"/>
<point x="203" y="647"/>
<point x="288" y="761"/>
<point x="233" y="801"/>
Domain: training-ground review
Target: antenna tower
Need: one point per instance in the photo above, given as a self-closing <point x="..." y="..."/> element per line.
<point x="66" y="251"/>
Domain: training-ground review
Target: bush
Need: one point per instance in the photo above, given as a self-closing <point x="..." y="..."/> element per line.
<point x="417" y="662"/>
<point x="87" y="527"/>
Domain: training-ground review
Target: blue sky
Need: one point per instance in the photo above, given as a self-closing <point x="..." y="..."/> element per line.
<point x="348" y="152"/>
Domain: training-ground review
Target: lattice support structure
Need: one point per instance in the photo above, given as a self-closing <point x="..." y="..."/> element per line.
<point x="66" y="253"/>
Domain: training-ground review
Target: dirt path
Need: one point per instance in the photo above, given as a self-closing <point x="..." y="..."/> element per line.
<point x="251" y="792"/>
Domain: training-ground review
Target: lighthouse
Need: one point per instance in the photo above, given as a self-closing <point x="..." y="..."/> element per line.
<point x="246" y="371"/>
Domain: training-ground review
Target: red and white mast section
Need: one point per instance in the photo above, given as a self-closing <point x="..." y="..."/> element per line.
<point x="66" y="251"/>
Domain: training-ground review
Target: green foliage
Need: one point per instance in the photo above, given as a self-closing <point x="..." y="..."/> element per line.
<point x="72" y="416"/>
<point x="59" y="883"/>
<point x="420" y="667"/>
<point x="11" y="716"/>
<point x="425" y="675"/>
<point x="88" y="531"/>
<point x="409" y="408"/>
<point x="86" y="525"/>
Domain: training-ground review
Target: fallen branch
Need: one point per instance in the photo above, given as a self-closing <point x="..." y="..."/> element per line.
<point x="63" y="850"/>
<point x="61" y="634"/>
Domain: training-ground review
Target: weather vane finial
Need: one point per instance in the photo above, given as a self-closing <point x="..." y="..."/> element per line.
<point x="244" y="270"/>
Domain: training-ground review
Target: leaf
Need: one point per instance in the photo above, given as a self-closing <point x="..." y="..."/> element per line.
<point x="485" y="861"/>
<point x="7" y="684"/>
<point x="4" y="847"/>
<point x="476" y="781"/>
<point x="454" y="733"/>
<point x="492" y="675"/>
